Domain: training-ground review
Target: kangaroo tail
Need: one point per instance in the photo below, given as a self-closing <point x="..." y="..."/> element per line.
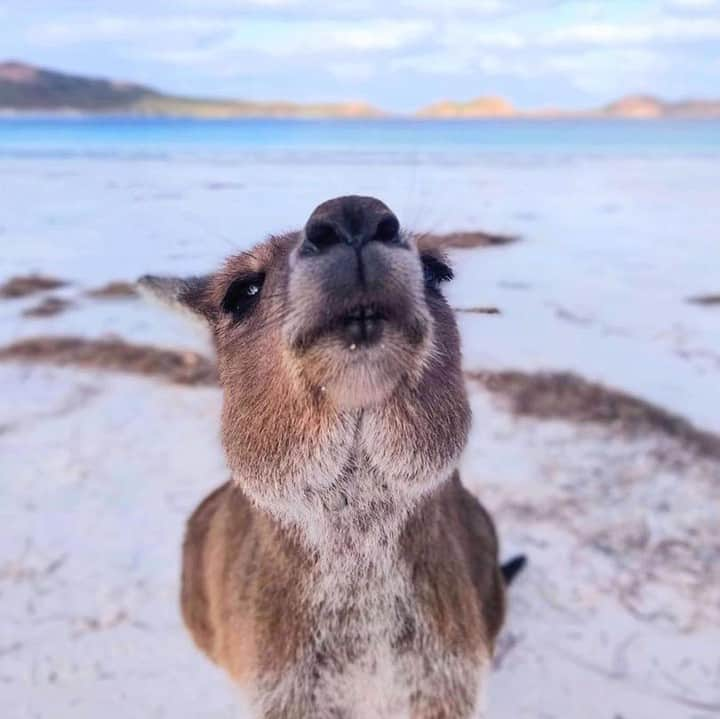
<point x="512" y="568"/>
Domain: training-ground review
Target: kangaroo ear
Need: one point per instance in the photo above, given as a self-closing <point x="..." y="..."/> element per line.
<point x="184" y="294"/>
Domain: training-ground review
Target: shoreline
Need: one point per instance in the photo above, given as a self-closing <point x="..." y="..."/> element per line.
<point x="70" y="114"/>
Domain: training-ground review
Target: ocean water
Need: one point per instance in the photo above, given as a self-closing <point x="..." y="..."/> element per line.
<point x="437" y="138"/>
<point x="618" y="224"/>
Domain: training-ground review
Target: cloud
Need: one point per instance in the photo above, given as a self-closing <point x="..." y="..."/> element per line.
<point x="368" y="9"/>
<point x="320" y="36"/>
<point x="595" y="72"/>
<point x="693" y="4"/>
<point x="276" y="37"/>
<point x="353" y="71"/>
<point x="662" y="30"/>
<point x="119" y="29"/>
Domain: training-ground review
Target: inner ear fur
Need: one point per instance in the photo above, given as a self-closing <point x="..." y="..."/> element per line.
<point x="435" y="257"/>
<point x="186" y="294"/>
<point x="428" y="247"/>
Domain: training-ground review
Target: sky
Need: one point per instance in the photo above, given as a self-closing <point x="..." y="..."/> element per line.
<point x="397" y="54"/>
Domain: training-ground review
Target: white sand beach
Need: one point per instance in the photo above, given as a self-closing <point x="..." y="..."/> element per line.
<point x="617" y="615"/>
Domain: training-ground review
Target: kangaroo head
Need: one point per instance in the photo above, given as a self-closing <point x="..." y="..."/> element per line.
<point x="336" y="349"/>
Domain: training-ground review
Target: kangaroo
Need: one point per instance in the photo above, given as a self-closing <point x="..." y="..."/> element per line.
<point x="344" y="571"/>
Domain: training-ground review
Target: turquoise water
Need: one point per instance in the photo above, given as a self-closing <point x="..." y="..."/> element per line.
<point x="459" y="139"/>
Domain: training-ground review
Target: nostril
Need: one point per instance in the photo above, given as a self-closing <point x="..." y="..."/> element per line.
<point x="320" y="236"/>
<point x="352" y="221"/>
<point x="388" y="230"/>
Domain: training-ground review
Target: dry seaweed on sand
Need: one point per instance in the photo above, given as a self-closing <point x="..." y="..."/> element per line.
<point x="706" y="300"/>
<point x="468" y="240"/>
<point x="24" y="285"/>
<point x="566" y="396"/>
<point x="479" y="310"/>
<point x="178" y="366"/>
<point x="49" y="307"/>
<point x="116" y="289"/>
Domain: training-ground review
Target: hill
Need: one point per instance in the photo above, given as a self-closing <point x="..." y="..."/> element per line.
<point x="629" y="107"/>
<point x="479" y="107"/>
<point x="28" y="89"/>
<point x="648" y="106"/>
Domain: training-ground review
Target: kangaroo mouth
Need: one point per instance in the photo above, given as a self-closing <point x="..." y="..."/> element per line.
<point x="362" y="326"/>
<point x="358" y="326"/>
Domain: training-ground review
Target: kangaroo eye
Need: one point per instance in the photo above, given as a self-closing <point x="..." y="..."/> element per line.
<point x="242" y="296"/>
<point x="435" y="271"/>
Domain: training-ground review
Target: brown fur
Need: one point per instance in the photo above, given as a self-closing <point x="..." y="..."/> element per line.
<point x="224" y="529"/>
<point x="345" y="559"/>
<point x="241" y="581"/>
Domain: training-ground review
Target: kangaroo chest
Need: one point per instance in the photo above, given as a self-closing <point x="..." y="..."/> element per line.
<point x="372" y="654"/>
<point x="373" y="645"/>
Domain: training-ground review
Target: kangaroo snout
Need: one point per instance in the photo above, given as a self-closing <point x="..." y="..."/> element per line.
<point x="358" y="319"/>
<point x="354" y="269"/>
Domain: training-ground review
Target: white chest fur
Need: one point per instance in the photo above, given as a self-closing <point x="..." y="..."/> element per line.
<point x="372" y="656"/>
<point x="359" y="659"/>
<point x="372" y="653"/>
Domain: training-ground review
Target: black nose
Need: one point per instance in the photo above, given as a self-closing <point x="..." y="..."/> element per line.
<point x="351" y="220"/>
